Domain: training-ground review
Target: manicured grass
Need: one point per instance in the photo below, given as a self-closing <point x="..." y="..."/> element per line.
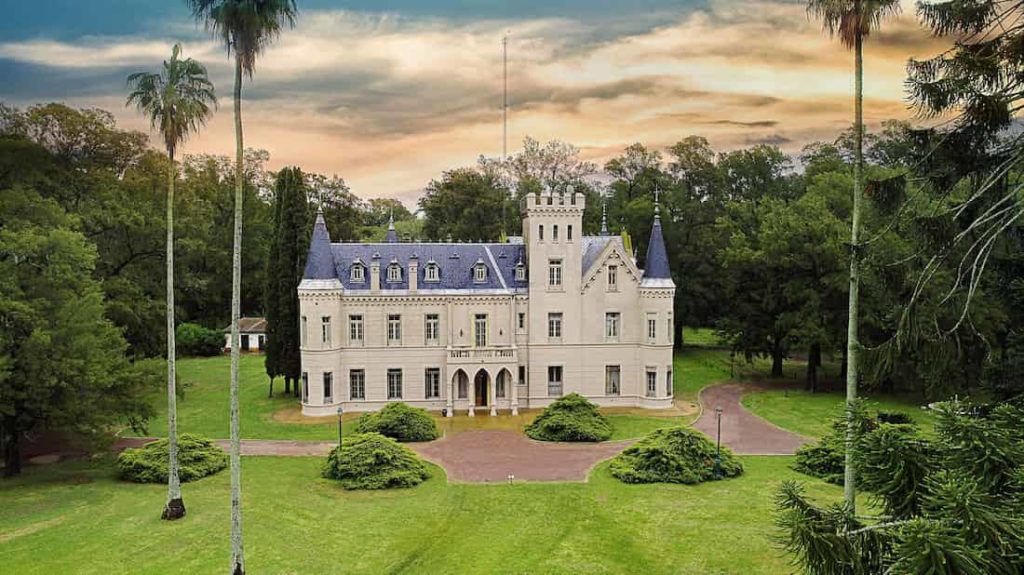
<point x="700" y="336"/>
<point x="75" y="517"/>
<point x="203" y="409"/>
<point x="809" y="414"/>
<point x="695" y="369"/>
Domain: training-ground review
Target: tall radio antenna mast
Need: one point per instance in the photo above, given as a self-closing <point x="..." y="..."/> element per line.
<point x="504" y="97"/>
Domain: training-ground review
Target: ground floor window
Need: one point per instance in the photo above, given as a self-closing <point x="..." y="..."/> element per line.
<point x="394" y="384"/>
<point x="652" y="383"/>
<point x="432" y="382"/>
<point x="357" y="384"/>
<point x="555" y="380"/>
<point x="668" y="381"/>
<point x="305" y="387"/>
<point x="612" y="379"/>
<point x="522" y="375"/>
<point x="328" y="384"/>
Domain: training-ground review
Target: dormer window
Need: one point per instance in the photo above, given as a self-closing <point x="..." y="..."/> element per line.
<point x="479" y="272"/>
<point x="520" y="272"/>
<point x="358" y="272"/>
<point x="394" y="272"/>
<point x="432" y="273"/>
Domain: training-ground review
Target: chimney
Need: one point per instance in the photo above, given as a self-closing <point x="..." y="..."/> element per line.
<point x="414" y="268"/>
<point x="375" y="274"/>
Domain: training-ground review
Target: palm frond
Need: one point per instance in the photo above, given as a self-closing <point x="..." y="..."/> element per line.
<point x="246" y="27"/>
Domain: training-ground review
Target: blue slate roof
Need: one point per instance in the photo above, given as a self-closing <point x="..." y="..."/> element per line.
<point x="320" y="260"/>
<point x="455" y="264"/>
<point x="592" y="247"/>
<point x="656" y="265"/>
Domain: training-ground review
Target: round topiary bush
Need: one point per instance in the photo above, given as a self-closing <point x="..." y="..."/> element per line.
<point x="197" y="458"/>
<point x="372" y="461"/>
<point x="673" y="455"/>
<point x="570" y="418"/>
<point x="401" y="422"/>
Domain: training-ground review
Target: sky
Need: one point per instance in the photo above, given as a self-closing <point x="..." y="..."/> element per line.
<point x="389" y="95"/>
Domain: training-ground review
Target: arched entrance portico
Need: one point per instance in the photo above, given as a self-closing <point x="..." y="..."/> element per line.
<point x="481" y="389"/>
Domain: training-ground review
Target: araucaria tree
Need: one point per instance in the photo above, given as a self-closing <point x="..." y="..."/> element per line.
<point x="178" y="101"/>
<point x="284" y="272"/>
<point x="852" y="21"/>
<point x="247" y="27"/>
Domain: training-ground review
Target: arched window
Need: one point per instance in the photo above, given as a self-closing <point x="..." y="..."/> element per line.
<point x="358" y="272"/>
<point x="432" y="273"/>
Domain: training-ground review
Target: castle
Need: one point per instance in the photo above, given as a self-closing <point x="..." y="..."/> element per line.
<point x="487" y="327"/>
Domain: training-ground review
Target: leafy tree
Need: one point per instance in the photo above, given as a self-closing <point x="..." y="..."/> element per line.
<point x="344" y="213"/>
<point x="62" y="363"/>
<point x="178" y="100"/>
<point x="380" y="211"/>
<point x="852" y="21"/>
<point x="284" y="272"/>
<point x="464" y="205"/>
<point x="246" y="27"/>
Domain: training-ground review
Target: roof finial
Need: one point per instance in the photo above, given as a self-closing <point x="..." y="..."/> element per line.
<point x="604" y="215"/>
<point x="391" y="219"/>
<point x="657" y="203"/>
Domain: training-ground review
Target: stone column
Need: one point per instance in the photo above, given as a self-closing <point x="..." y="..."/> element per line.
<point x="515" y="392"/>
<point x="492" y="395"/>
<point x="449" y="390"/>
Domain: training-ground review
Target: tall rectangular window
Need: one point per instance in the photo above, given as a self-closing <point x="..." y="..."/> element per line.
<point x="305" y="387"/>
<point x="432" y="383"/>
<point x="554" y="380"/>
<point x="325" y="330"/>
<point x="611" y="326"/>
<point x="394" y="384"/>
<point x="522" y="375"/>
<point x="355" y="330"/>
<point x="554" y="233"/>
<point x="612" y="379"/>
<point x="568" y="233"/>
<point x="304" y="333"/>
<point x="328" y="385"/>
<point x="671" y="328"/>
<point x="499" y="386"/>
<point x="522" y="321"/>
<point x="652" y="383"/>
<point x="394" y="329"/>
<point x="431" y="328"/>
<point x="540" y="232"/>
<point x="668" y="381"/>
<point x="356" y="384"/>
<point x="480" y="329"/>
<point x="555" y="326"/>
<point x="652" y="328"/>
<point x="613" y="278"/>
<point x="555" y="273"/>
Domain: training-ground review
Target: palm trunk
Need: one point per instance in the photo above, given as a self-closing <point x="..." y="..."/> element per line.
<point x="852" y="343"/>
<point x="237" y="556"/>
<point x="175" y="508"/>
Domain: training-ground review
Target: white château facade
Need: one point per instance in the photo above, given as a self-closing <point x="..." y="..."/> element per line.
<point x="478" y="327"/>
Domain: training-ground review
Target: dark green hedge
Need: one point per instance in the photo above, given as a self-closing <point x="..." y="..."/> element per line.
<point x="372" y="461"/>
<point x="192" y="339"/>
<point x="570" y="418"/>
<point x="673" y="455"/>
<point x="399" y="421"/>
<point x="197" y="458"/>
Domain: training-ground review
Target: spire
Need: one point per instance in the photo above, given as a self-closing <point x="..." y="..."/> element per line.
<point x="656" y="265"/>
<point x="392" y="236"/>
<point x="604" y="216"/>
<point x="320" y="261"/>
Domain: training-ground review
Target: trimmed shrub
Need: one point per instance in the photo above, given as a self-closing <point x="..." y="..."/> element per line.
<point x="192" y="339"/>
<point x="372" y="461"/>
<point x="570" y="418"/>
<point x="401" y="422"/>
<point x="197" y="458"/>
<point x="673" y="455"/>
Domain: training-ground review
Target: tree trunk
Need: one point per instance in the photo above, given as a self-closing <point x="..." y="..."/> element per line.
<point x="287" y="386"/>
<point x="852" y="343"/>
<point x="271" y="394"/>
<point x="813" y="361"/>
<point x="295" y="387"/>
<point x="11" y="439"/>
<point x="175" y="507"/>
<point x="237" y="555"/>
<point x="777" y="360"/>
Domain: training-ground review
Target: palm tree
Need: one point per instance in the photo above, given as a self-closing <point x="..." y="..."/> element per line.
<point x="178" y="101"/>
<point x="246" y="27"/>
<point x="852" y="21"/>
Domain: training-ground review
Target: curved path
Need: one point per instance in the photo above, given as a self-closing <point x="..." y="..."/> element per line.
<point x="742" y="431"/>
<point x="472" y="456"/>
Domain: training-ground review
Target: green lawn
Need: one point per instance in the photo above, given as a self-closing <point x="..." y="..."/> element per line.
<point x="700" y="336"/>
<point x="809" y="414"/>
<point x="75" y="517"/>
<point x="694" y="369"/>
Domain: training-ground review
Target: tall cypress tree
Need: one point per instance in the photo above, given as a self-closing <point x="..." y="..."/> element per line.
<point x="284" y="272"/>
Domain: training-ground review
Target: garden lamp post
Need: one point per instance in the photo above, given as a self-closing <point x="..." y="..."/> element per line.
<point x="718" y="449"/>
<point x="340" y="411"/>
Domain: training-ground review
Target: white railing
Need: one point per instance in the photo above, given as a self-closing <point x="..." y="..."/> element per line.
<point x="476" y="353"/>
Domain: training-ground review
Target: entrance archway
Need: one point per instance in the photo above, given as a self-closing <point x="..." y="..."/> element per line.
<point x="481" y="383"/>
<point x="461" y="384"/>
<point x="503" y="384"/>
